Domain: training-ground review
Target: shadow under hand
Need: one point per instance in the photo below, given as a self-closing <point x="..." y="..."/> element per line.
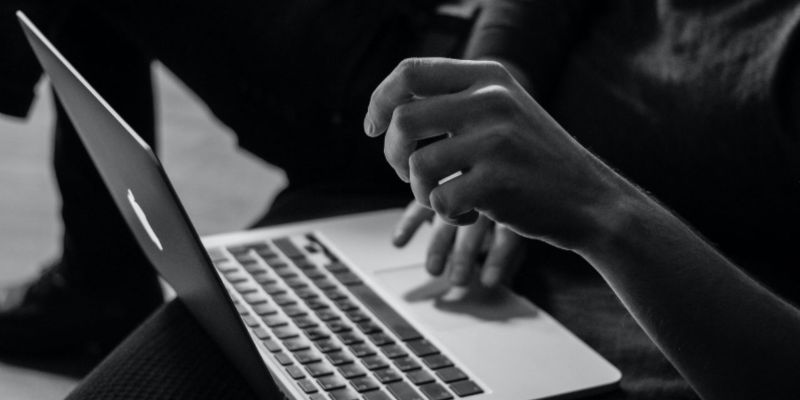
<point x="478" y="301"/>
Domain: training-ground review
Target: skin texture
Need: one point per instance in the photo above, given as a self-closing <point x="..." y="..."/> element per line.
<point x="728" y="335"/>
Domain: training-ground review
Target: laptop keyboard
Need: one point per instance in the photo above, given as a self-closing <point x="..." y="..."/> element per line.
<point x="332" y="333"/>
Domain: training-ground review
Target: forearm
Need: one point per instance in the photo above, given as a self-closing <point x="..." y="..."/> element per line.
<point x="729" y="336"/>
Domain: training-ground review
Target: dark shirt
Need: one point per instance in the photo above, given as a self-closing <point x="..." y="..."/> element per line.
<point x="692" y="100"/>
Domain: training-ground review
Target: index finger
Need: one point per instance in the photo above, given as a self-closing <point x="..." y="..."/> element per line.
<point x="419" y="77"/>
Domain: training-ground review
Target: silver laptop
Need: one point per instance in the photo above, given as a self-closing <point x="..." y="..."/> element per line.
<point x="327" y="309"/>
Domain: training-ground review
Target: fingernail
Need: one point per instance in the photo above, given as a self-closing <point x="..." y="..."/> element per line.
<point x="491" y="276"/>
<point x="368" y="127"/>
<point x="432" y="264"/>
<point x="397" y="236"/>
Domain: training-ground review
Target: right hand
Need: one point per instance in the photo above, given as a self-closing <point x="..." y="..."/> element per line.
<point x="457" y="252"/>
<point x="518" y="166"/>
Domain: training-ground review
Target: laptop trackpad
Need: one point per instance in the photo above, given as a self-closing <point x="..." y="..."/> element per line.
<point x="438" y="305"/>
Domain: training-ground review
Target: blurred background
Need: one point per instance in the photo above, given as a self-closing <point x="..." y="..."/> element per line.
<point x="222" y="188"/>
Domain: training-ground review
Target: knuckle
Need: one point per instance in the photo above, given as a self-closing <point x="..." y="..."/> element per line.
<point x="402" y="118"/>
<point x="417" y="164"/>
<point x="408" y="68"/>
<point x="496" y="99"/>
<point x="498" y="71"/>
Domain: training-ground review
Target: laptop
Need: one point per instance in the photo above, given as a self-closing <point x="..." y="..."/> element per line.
<point x="327" y="309"/>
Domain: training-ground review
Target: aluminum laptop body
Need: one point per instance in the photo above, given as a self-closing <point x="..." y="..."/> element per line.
<point x="327" y="309"/>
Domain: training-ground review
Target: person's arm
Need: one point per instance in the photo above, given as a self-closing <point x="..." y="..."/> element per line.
<point x="729" y="336"/>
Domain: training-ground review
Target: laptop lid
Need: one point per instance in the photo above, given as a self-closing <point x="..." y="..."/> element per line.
<point x="151" y="209"/>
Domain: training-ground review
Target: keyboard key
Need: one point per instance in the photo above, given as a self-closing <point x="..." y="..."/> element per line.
<point x="306" y="293"/>
<point x="226" y="267"/>
<point x="357" y="316"/>
<point x="406" y="364"/>
<point x="420" y="377"/>
<point x="288" y="248"/>
<point x="374" y="362"/>
<point x="404" y="391"/>
<point x="316" y="304"/>
<point x="351" y="371"/>
<point x="261" y="332"/>
<point x="314" y="274"/>
<point x="437" y="361"/>
<point x="319" y="396"/>
<point x="250" y="320"/>
<point x="304" y="264"/>
<point x="294" y="311"/>
<point x="393" y="351"/>
<point x="326" y="314"/>
<point x="466" y="388"/>
<point x="274" y="289"/>
<point x="451" y="374"/>
<point x="327" y="345"/>
<point x="435" y="391"/>
<point x="319" y="369"/>
<point x="276" y="264"/>
<point x="368" y="327"/>
<point x="329" y="383"/>
<point x="305" y="322"/>
<point x="240" y="308"/>
<point x="274" y="321"/>
<point x="296" y="283"/>
<point x="216" y="254"/>
<point x="337" y="267"/>
<point x="338" y="325"/>
<point x="362" y="350"/>
<point x="364" y="384"/>
<point x="380" y="339"/>
<point x="239" y="249"/>
<point x="325" y="283"/>
<point x="283" y="359"/>
<point x="264" y="279"/>
<point x="349" y="338"/>
<point x="284" y="300"/>
<point x="385" y="313"/>
<point x="255" y="298"/>
<point x="348" y="278"/>
<point x="271" y="345"/>
<point x="345" y="305"/>
<point x="307" y="356"/>
<point x="307" y="386"/>
<point x="317" y="334"/>
<point x="254" y="268"/>
<point x="296" y="344"/>
<point x="245" y="287"/>
<point x="286" y="273"/>
<point x="422" y="347"/>
<point x="295" y="372"/>
<point x="266" y="253"/>
<point x="339" y="358"/>
<point x="236" y="276"/>
<point x="285" y="332"/>
<point x="379" y="395"/>
<point x="265" y="309"/>
<point x="388" y="375"/>
<point x="344" y="394"/>
<point x="335" y="294"/>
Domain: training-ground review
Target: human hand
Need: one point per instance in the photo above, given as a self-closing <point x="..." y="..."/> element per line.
<point x="458" y="252"/>
<point x="518" y="166"/>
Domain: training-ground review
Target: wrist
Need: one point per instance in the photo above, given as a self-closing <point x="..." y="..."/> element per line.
<point x="612" y="219"/>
